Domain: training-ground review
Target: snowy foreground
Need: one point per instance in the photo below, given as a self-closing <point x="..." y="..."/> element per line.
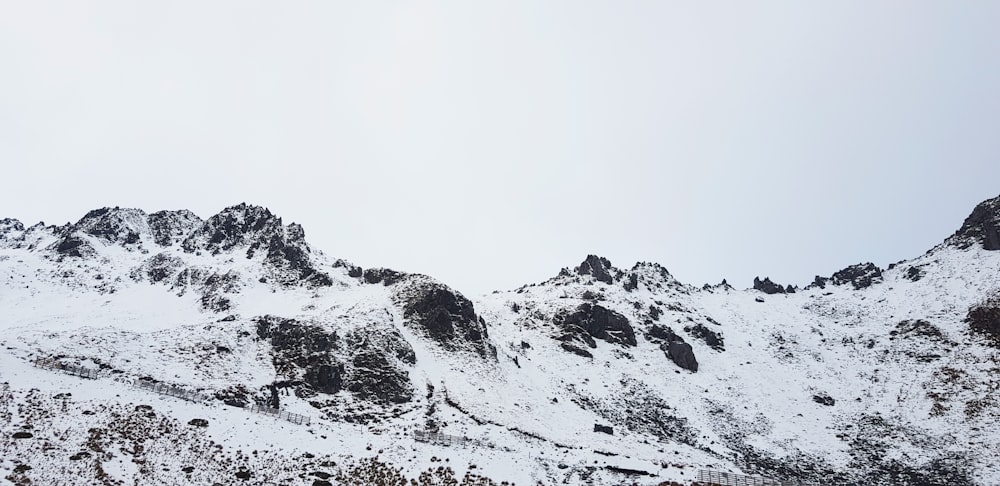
<point x="596" y="376"/>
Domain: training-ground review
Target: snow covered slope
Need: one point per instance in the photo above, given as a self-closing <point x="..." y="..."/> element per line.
<point x="596" y="376"/>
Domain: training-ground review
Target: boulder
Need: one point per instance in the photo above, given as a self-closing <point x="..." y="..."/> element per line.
<point x="681" y="354"/>
<point x="598" y="322"/>
<point x="824" y="399"/>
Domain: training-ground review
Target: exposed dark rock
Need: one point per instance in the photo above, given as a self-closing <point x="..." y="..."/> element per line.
<point x="982" y="227"/>
<point x="789" y="289"/>
<point x="861" y="276"/>
<point x="74" y="246"/>
<point x="597" y="322"/>
<point x="767" y="286"/>
<point x="632" y="283"/>
<point x="113" y="225"/>
<point x="597" y="267"/>
<point x="681" y="354"/>
<point x="984" y="319"/>
<point x="628" y="472"/>
<point x="576" y="350"/>
<point x="914" y="274"/>
<point x="443" y="315"/>
<point x="303" y="352"/>
<point x="372" y="377"/>
<point x="662" y="333"/>
<point x="12" y="233"/>
<point x="654" y="312"/>
<point x="711" y="338"/>
<point x="256" y="229"/>
<point x="171" y="227"/>
<point x="818" y="282"/>
<point x="197" y="422"/>
<point x="605" y="429"/>
<point x="384" y="276"/>
<point x="159" y="268"/>
<point x="214" y="289"/>
<point x="22" y="435"/>
<point x="918" y="327"/>
<point x="235" y="396"/>
<point x="674" y="347"/>
<point x="824" y="399"/>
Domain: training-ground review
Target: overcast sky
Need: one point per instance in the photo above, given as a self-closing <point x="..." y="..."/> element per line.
<point x="489" y="144"/>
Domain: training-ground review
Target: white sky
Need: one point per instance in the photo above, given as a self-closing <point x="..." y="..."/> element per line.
<point x="491" y="143"/>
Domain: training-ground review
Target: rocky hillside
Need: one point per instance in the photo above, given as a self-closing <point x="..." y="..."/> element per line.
<point x="599" y="375"/>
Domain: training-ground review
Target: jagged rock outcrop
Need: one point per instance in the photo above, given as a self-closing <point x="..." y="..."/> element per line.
<point x="172" y="227"/>
<point x="443" y="315"/>
<point x="861" y="276"/>
<point x="723" y="286"/>
<point x="113" y="226"/>
<point x="767" y="286"/>
<point x="599" y="268"/>
<point x="651" y="275"/>
<point x="590" y="321"/>
<point x="982" y="227"/>
<point x="256" y="229"/>
<point x="10" y="225"/>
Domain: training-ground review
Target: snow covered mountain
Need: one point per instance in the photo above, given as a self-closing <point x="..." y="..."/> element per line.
<point x="599" y="375"/>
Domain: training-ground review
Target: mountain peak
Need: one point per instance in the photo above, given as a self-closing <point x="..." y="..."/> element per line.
<point x="598" y="267"/>
<point x="982" y="226"/>
<point x="238" y="225"/>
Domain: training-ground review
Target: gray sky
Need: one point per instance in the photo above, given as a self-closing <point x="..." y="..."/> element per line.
<point x="491" y="143"/>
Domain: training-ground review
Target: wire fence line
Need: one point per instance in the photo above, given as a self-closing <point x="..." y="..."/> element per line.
<point x="718" y="478"/>
<point x="54" y="364"/>
<point x="294" y="418"/>
<point x="443" y="439"/>
<point x="170" y="390"/>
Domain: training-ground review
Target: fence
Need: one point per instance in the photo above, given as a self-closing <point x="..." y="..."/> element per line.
<point x="52" y="364"/>
<point x="170" y="390"/>
<point x="289" y="416"/>
<point x="716" y="478"/>
<point x="440" y="439"/>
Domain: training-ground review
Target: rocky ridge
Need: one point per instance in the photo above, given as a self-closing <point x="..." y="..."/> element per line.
<point x="871" y="374"/>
